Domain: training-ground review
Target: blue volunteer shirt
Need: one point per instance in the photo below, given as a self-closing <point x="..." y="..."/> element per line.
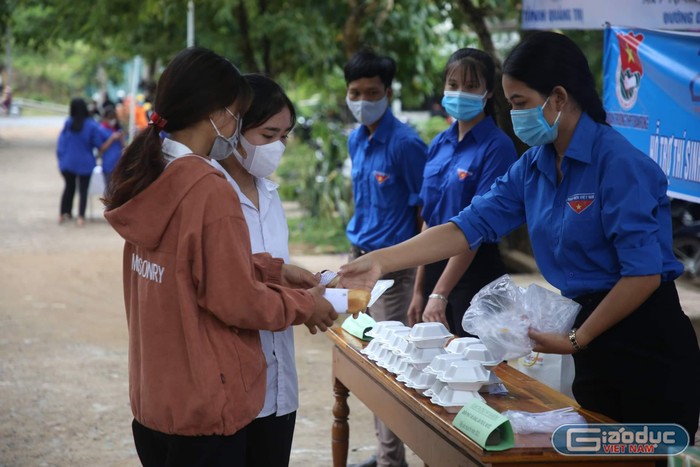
<point x="387" y="172"/>
<point x="75" y="149"/>
<point x="112" y="154"/>
<point x="609" y="217"/>
<point x="457" y="171"/>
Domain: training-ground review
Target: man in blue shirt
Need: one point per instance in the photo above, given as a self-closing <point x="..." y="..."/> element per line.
<point x="388" y="158"/>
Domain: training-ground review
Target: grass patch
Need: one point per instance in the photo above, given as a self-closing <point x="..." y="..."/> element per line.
<point x="309" y="235"/>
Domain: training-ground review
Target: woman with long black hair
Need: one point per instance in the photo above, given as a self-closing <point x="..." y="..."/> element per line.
<point x="81" y="135"/>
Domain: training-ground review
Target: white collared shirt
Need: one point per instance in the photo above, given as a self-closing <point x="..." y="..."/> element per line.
<point x="173" y="149"/>
<point x="269" y="234"/>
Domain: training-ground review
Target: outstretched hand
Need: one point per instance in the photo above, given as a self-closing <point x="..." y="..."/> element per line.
<point x="361" y="273"/>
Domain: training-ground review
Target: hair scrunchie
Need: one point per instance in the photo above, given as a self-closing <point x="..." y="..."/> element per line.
<point x="157" y="120"/>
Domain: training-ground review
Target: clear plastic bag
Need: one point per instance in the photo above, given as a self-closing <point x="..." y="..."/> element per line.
<point x="542" y="422"/>
<point x="549" y="311"/>
<point x="501" y="314"/>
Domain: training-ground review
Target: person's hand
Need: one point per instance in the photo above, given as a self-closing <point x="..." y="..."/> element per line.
<point x="362" y="273"/>
<point x="323" y="313"/>
<point x="297" y="278"/>
<point x="415" y="309"/>
<point x="550" y="342"/>
<point x="435" y="312"/>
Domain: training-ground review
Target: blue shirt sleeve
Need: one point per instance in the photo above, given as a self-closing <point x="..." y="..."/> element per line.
<point x="499" y="211"/>
<point x="61" y="145"/>
<point x="98" y="135"/>
<point x="410" y="155"/>
<point x="632" y="189"/>
<point x="500" y="155"/>
<point x="352" y="143"/>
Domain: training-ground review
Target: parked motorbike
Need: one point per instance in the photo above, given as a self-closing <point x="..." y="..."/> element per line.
<point x="686" y="235"/>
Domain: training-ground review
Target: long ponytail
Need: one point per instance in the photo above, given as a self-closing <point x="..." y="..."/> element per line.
<point x="78" y="113"/>
<point x="196" y="83"/>
<point x="140" y="165"/>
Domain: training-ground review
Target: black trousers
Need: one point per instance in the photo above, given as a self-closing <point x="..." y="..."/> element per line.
<point x="646" y="368"/>
<point x="486" y="267"/>
<point x="69" y="193"/>
<point x="269" y="440"/>
<point x="156" y="449"/>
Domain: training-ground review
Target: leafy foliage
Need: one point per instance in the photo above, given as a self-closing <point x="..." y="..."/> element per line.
<point x="301" y="43"/>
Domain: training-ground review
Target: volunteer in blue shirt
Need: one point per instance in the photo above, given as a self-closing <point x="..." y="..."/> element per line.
<point x="81" y="135"/>
<point x="600" y="225"/>
<point x="463" y="162"/>
<point x="387" y="158"/>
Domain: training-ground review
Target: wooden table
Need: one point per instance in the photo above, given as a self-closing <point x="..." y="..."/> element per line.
<point x="427" y="429"/>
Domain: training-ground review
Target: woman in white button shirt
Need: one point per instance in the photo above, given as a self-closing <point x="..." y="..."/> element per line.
<point x="264" y="135"/>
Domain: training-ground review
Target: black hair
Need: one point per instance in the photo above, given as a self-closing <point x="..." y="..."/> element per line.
<point x="475" y="63"/>
<point x="78" y="113"/>
<point x="268" y="100"/>
<point x="109" y="111"/>
<point x="196" y="83"/>
<point x="367" y="64"/>
<point x="548" y="59"/>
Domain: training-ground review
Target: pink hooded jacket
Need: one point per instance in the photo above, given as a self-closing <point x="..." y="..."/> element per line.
<point x="195" y="298"/>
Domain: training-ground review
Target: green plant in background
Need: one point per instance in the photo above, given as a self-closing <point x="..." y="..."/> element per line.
<point x="429" y="129"/>
<point x="324" y="191"/>
<point x="312" y="174"/>
<point x="312" y="235"/>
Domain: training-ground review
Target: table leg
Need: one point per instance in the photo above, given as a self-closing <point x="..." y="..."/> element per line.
<point x="341" y="430"/>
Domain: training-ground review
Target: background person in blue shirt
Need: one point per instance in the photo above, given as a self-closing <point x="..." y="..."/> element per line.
<point x="600" y="225"/>
<point x="463" y="162"/>
<point x="114" y="144"/>
<point x="76" y="160"/>
<point x="387" y="158"/>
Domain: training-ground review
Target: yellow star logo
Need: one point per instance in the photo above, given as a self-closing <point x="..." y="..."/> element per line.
<point x="630" y="54"/>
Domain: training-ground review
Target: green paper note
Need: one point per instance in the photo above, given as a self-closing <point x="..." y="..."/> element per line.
<point x="359" y="327"/>
<point x="488" y="428"/>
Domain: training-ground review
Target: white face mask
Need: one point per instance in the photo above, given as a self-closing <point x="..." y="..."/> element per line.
<point x="263" y="160"/>
<point x="223" y="147"/>
<point x="367" y="112"/>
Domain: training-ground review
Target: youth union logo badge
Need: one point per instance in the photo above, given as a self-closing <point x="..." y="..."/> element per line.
<point x="462" y="174"/>
<point x="629" y="69"/>
<point x="580" y="201"/>
<point x="381" y="177"/>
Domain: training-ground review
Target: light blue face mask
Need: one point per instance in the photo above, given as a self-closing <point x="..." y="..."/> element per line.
<point x="530" y="126"/>
<point x="367" y="112"/>
<point x="463" y="106"/>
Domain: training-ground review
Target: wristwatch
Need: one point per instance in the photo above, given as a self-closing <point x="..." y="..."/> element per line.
<point x="574" y="342"/>
<point x="439" y="296"/>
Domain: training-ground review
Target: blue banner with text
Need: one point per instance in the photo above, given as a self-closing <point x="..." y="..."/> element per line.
<point x="651" y="92"/>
